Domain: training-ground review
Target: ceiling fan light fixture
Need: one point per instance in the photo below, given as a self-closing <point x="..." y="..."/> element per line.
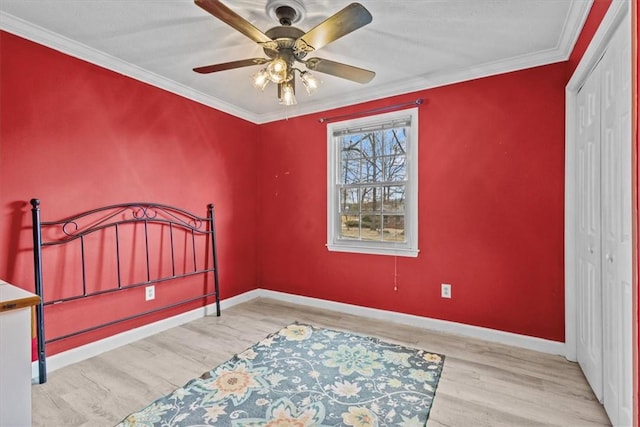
<point x="287" y="93"/>
<point x="309" y="81"/>
<point x="261" y="79"/>
<point x="284" y="45"/>
<point x="278" y="70"/>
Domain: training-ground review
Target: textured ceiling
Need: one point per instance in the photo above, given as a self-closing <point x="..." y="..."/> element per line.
<point x="411" y="44"/>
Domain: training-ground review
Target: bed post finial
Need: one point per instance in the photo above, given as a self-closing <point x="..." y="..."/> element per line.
<point x="35" y="203"/>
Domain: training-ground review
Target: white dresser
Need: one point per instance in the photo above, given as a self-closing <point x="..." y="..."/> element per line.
<point x="15" y="355"/>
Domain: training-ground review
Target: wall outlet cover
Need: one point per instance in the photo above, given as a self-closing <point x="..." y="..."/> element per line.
<point x="150" y="293"/>
<point x="445" y="290"/>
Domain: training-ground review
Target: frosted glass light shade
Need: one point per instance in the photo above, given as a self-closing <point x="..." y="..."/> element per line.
<point x="287" y="93"/>
<point x="310" y="82"/>
<point x="261" y="79"/>
<point x="277" y="70"/>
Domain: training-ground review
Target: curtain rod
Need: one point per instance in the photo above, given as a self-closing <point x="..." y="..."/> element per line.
<point x="375" y="110"/>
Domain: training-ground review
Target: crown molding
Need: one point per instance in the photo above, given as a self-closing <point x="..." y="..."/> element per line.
<point x="424" y="82"/>
<point x="576" y="18"/>
<point x="35" y="33"/>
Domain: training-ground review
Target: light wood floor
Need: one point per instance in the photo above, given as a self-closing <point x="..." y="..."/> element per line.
<point x="482" y="384"/>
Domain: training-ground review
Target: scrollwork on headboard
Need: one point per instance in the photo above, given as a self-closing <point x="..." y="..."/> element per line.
<point x="107" y="216"/>
<point x="142" y="218"/>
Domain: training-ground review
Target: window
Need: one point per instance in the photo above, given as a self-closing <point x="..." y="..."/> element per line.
<point x="373" y="184"/>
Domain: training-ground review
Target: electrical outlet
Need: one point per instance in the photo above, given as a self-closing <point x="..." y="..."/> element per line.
<point x="445" y="290"/>
<point x="149" y="293"/>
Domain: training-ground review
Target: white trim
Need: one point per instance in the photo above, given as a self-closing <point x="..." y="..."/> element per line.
<point x="614" y="16"/>
<point x="95" y="348"/>
<point x="87" y="351"/>
<point x="409" y="248"/>
<point x="577" y="17"/>
<point x="571" y="30"/>
<point x="470" y="331"/>
<point x="570" y="325"/>
<point x="370" y="250"/>
<point x="83" y="52"/>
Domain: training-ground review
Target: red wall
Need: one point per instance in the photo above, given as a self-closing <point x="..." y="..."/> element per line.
<point x="491" y="185"/>
<point x="491" y="158"/>
<point x="78" y="136"/>
<point x="491" y="206"/>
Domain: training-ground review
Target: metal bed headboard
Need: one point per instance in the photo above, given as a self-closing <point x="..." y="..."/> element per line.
<point x="114" y="217"/>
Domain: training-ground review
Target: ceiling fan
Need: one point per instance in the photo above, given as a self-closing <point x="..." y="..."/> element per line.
<point x="285" y="45"/>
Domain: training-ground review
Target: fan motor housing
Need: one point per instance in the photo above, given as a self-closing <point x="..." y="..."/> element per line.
<point x="285" y="37"/>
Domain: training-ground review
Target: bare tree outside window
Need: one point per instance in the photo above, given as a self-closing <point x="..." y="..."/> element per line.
<point x="373" y="185"/>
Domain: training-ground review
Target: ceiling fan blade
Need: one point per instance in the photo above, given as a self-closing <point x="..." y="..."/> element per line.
<point x="349" y="72"/>
<point x="230" y="65"/>
<point x="231" y="18"/>
<point x="342" y="23"/>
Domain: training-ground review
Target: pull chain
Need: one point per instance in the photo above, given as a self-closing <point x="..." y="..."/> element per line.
<point x="395" y="274"/>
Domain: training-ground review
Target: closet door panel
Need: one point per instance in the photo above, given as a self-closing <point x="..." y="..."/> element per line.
<point x="616" y="225"/>
<point x="589" y="282"/>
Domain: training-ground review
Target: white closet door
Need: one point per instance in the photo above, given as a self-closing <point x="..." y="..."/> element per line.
<point x="588" y="236"/>
<point x="604" y="229"/>
<point x="616" y="227"/>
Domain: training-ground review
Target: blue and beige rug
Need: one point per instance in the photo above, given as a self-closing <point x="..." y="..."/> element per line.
<point x="306" y="376"/>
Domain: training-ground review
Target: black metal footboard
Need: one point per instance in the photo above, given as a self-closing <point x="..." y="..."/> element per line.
<point x="119" y="248"/>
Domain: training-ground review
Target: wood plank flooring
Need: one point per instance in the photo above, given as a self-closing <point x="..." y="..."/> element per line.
<point x="482" y="384"/>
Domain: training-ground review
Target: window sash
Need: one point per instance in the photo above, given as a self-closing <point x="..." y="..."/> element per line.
<point x="399" y="211"/>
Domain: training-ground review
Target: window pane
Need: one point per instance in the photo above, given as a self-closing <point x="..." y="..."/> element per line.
<point x="349" y="201"/>
<point x="378" y="141"/>
<point x="393" y="199"/>
<point x="393" y="167"/>
<point x="350" y="143"/>
<point x="379" y="169"/>
<point x="367" y="145"/>
<point x="350" y="172"/>
<point x="371" y="228"/>
<point x="398" y="143"/>
<point x="389" y="143"/>
<point x="370" y="198"/>
<point x="350" y="153"/>
<point x="371" y="170"/>
<point x="350" y="227"/>
<point x="396" y="168"/>
<point x="393" y="230"/>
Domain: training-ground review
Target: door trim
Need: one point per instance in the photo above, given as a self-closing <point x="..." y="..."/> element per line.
<point x="618" y="10"/>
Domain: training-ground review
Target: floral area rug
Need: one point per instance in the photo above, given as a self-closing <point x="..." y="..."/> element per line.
<point x="306" y="376"/>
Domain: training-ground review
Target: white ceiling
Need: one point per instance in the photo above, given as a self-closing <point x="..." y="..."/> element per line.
<point x="411" y="44"/>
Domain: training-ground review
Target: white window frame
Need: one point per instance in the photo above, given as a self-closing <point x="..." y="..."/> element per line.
<point x="334" y="243"/>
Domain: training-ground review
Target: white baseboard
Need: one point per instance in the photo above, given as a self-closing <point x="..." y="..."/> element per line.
<point x="508" y="338"/>
<point x="86" y="351"/>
